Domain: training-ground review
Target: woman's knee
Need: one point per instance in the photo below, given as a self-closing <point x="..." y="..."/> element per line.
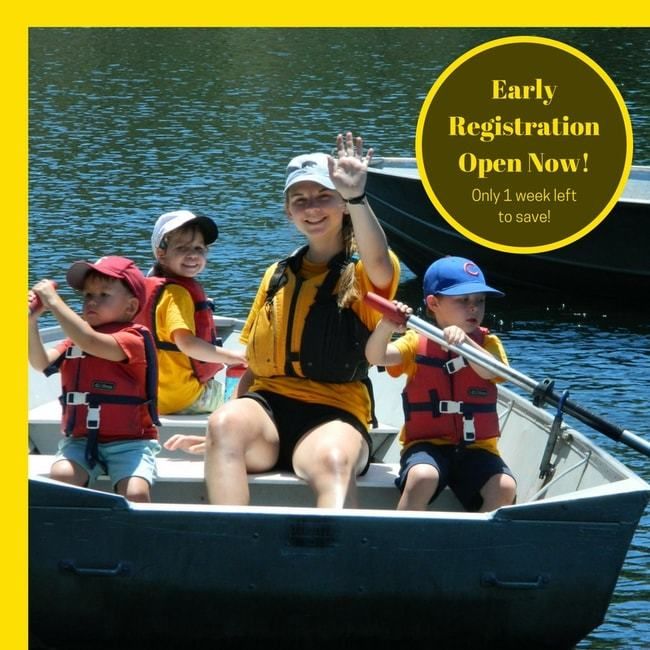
<point x="224" y="427"/>
<point x="336" y="460"/>
<point x="241" y="429"/>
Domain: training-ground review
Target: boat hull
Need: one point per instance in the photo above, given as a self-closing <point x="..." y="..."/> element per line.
<point x="603" y="262"/>
<point x="144" y="575"/>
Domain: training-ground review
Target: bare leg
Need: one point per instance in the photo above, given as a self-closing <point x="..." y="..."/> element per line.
<point x="421" y="484"/>
<point x="499" y="490"/>
<point x="68" y="472"/>
<point x="240" y="438"/>
<point x="329" y="457"/>
<point x="134" y="488"/>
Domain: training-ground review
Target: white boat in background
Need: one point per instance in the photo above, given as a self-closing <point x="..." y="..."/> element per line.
<point x="106" y="573"/>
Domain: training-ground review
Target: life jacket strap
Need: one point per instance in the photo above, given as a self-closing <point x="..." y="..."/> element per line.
<point x="91" y="452"/>
<point x="75" y="398"/>
<point x="450" y="367"/>
<point x="445" y="407"/>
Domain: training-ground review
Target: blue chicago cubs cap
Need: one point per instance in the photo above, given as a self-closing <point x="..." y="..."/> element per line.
<point x="455" y="276"/>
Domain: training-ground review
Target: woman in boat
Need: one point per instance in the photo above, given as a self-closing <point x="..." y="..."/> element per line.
<point x="451" y="426"/>
<point x="303" y="404"/>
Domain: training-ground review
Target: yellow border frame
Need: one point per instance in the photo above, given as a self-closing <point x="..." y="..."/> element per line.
<point x="13" y="44"/>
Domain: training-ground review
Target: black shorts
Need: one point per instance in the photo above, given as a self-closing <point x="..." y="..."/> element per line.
<point x="465" y="469"/>
<point x="294" y="418"/>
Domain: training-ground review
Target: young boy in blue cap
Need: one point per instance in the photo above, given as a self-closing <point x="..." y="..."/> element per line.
<point x="451" y="426"/>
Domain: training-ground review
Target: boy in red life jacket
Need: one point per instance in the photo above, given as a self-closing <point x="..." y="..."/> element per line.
<point x="451" y="426"/>
<point x="108" y="377"/>
<point x="180" y="316"/>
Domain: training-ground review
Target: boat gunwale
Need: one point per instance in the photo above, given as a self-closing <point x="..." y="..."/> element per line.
<point x="631" y="485"/>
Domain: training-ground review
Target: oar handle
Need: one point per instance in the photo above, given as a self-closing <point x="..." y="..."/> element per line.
<point x="385" y="307"/>
<point x="36" y="302"/>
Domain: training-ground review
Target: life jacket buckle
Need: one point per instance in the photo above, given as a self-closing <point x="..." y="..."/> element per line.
<point x="92" y="419"/>
<point x="76" y="398"/>
<point x="74" y="352"/>
<point x="454" y="365"/>
<point x="450" y="407"/>
<point x="469" y="430"/>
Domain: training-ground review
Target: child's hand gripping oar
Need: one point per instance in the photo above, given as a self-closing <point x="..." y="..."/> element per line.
<point x="541" y="391"/>
<point x="35" y="302"/>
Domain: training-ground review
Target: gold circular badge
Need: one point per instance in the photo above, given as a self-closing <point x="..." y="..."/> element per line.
<point x="524" y="144"/>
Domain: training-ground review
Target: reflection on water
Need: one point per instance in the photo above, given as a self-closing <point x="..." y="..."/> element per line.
<point x="128" y="123"/>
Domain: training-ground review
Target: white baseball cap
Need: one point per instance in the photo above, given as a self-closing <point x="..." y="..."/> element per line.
<point x="309" y="167"/>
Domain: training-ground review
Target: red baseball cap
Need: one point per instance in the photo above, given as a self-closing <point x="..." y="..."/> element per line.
<point x="112" y="266"/>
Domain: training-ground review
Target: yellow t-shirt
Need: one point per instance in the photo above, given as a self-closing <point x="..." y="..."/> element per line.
<point x="407" y="346"/>
<point x="267" y="362"/>
<point x="178" y="388"/>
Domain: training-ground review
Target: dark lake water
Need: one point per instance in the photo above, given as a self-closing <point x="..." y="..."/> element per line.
<point x="128" y="123"/>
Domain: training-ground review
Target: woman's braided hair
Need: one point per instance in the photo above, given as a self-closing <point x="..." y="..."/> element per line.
<point x="348" y="290"/>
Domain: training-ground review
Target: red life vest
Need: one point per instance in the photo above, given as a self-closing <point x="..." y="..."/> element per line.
<point x="203" y="321"/>
<point x="106" y="401"/>
<point x="447" y="399"/>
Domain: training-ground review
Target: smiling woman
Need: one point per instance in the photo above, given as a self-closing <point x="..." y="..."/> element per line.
<point x="304" y="403"/>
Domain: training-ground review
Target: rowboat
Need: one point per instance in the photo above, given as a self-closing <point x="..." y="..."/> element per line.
<point x="603" y="263"/>
<point x="106" y="573"/>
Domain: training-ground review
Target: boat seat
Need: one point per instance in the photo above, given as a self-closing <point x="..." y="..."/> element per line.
<point x="45" y="420"/>
<point x="182" y="481"/>
<point x="173" y="470"/>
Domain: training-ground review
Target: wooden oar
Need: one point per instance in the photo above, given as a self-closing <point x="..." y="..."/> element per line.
<point x="542" y="392"/>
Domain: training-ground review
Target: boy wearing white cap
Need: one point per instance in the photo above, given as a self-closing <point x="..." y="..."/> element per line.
<point x="179" y="315"/>
<point x="451" y="426"/>
<point x="108" y="377"/>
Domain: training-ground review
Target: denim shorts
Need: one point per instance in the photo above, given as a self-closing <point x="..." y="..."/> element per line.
<point x="465" y="469"/>
<point x="119" y="460"/>
<point x="294" y="418"/>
